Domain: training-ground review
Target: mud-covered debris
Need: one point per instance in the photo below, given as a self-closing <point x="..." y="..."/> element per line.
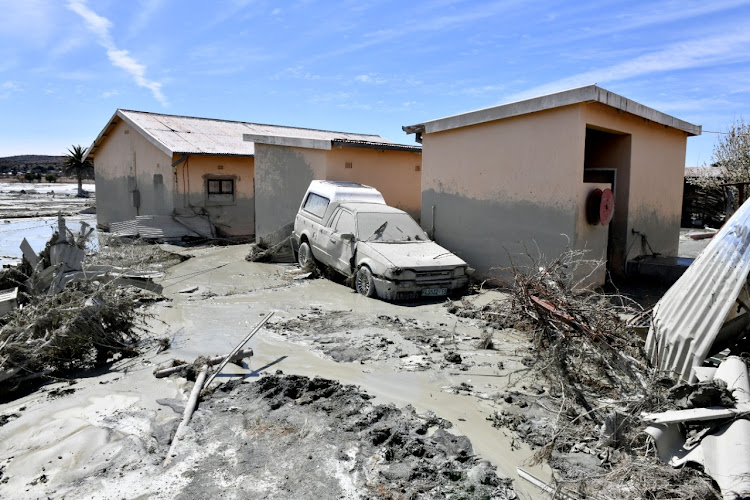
<point x="452" y="357"/>
<point x="340" y="440"/>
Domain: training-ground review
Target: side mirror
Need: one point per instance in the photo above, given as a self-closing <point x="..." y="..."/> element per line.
<point x="347" y="236"/>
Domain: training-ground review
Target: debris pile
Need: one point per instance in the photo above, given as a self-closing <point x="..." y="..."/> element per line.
<point x="587" y="424"/>
<point x="70" y="314"/>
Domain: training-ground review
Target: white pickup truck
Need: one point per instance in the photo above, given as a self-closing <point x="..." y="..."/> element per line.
<point x="349" y="228"/>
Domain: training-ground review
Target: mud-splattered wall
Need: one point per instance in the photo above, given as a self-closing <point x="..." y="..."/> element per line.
<point x="655" y="182"/>
<point x="232" y="214"/>
<point x="133" y="177"/>
<point x="504" y="188"/>
<point x="282" y="175"/>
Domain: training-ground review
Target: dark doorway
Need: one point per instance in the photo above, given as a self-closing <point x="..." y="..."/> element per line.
<point x="607" y="160"/>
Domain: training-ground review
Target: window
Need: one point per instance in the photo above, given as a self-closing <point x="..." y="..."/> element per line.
<point x="220" y="186"/>
<point x="220" y="190"/>
<point x="345" y="224"/>
<point x="316" y="204"/>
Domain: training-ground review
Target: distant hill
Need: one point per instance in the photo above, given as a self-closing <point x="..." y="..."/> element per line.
<point x="31" y="163"/>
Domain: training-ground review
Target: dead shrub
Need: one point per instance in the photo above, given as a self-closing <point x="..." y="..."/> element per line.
<point x="599" y="378"/>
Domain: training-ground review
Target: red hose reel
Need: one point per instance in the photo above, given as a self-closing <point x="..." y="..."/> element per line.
<point x="600" y="207"/>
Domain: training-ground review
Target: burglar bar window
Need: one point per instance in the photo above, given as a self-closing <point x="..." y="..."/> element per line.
<point x="220" y="190"/>
<point x="217" y="186"/>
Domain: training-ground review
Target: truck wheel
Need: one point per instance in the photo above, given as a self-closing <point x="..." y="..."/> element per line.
<point x="364" y="283"/>
<point x="305" y="256"/>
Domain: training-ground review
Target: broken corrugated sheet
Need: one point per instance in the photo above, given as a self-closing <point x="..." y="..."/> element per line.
<point x="724" y="450"/>
<point x="8" y="301"/>
<point x="124" y="228"/>
<point x="687" y="320"/>
<point x="161" y="227"/>
<point x="154" y="227"/>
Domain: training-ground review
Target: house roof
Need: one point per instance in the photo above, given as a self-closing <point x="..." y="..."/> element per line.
<point x="703" y="172"/>
<point x="590" y="93"/>
<point x="189" y="135"/>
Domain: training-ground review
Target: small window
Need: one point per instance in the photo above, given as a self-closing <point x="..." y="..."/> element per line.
<point x="345" y="224"/>
<point x="220" y="187"/>
<point x="316" y="204"/>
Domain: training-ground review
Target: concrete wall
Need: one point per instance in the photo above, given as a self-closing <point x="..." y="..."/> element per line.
<point x="504" y="187"/>
<point x="126" y="162"/>
<point x="282" y="175"/>
<point x="396" y="174"/>
<point x="654" y="186"/>
<point x="515" y="185"/>
<point x="233" y="216"/>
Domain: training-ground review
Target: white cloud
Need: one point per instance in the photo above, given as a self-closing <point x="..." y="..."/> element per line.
<point x="120" y="58"/>
<point x="697" y="53"/>
<point x="9" y="88"/>
<point x="370" y="78"/>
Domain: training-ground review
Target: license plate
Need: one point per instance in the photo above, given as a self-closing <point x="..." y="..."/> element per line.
<point x="434" y="292"/>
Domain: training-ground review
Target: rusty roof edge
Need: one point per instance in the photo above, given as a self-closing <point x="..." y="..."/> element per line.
<point x="578" y="95"/>
<point x="246" y="123"/>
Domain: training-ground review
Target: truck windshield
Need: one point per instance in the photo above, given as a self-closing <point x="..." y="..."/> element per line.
<point x="388" y="228"/>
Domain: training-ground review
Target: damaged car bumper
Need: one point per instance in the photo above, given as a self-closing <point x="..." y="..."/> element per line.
<point x="411" y="289"/>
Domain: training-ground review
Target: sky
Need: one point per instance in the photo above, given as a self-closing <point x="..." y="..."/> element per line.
<point x="367" y="66"/>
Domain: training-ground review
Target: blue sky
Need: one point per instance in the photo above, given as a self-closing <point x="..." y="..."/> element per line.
<point x="358" y="66"/>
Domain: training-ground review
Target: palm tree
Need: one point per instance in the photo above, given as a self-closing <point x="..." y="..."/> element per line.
<point x="76" y="166"/>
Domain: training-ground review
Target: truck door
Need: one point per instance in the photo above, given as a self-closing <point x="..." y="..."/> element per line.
<point x="342" y="249"/>
<point x="325" y="241"/>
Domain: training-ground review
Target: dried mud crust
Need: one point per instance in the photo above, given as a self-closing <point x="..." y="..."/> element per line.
<point x="296" y="437"/>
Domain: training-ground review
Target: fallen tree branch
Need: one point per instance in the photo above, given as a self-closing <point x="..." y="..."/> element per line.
<point x="165" y="372"/>
<point x="239" y="346"/>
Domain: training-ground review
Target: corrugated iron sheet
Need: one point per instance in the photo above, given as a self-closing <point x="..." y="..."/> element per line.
<point x="688" y="318"/>
<point x="188" y="135"/>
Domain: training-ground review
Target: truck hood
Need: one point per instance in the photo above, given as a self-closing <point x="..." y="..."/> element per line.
<point x="415" y="255"/>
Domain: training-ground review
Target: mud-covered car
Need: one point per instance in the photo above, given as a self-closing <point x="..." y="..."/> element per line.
<point x="381" y="247"/>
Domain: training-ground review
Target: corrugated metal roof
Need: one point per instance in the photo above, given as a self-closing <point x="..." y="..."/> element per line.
<point x="189" y="135"/>
<point x="687" y="320"/>
<point x="703" y="172"/>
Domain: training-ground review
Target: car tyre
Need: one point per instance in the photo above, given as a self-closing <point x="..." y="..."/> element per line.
<point x="364" y="282"/>
<point x="304" y="256"/>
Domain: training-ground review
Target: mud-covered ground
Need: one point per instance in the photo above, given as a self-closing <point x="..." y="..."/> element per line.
<point x="422" y="367"/>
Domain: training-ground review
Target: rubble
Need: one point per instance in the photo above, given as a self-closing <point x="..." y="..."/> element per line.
<point x="722" y="448"/>
<point x="69" y="315"/>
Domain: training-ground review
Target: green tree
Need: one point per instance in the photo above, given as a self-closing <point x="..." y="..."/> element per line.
<point x="76" y="166"/>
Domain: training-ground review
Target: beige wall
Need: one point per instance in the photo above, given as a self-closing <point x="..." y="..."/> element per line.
<point x="504" y="188"/>
<point x="283" y="174"/>
<point x="515" y="186"/>
<point x="233" y="216"/>
<point x="126" y="162"/>
<point x="396" y="174"/>
<point x="657" y="169"/>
